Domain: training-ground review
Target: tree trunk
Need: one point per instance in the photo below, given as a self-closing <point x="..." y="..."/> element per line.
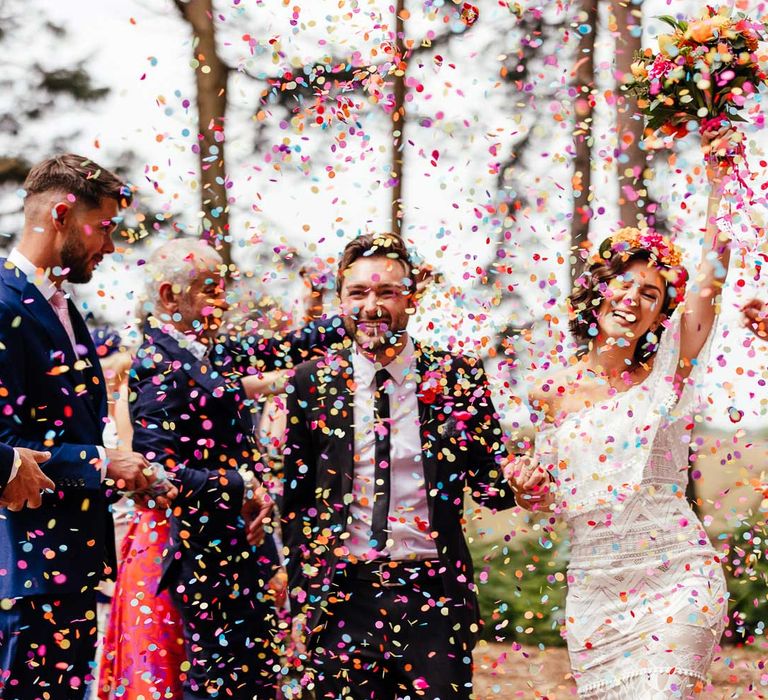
<point x="398" y="120"/>
<point x="211" y="75"/>
<point x="631" y="160"/>
<point x="584" y="82"/>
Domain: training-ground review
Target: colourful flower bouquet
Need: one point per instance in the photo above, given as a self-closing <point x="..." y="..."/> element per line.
<point x="704" y="72"/>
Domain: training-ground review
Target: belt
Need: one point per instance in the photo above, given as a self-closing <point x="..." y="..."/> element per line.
<point x="394" y="574"/>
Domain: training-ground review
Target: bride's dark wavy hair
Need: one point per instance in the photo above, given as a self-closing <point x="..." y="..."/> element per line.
<point x="586" y="297"/>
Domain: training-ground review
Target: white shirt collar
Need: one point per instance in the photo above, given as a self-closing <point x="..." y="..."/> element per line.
<point x="43" y="282"/>
<point x="400" y="369"/>
<point x="187" y="342"/>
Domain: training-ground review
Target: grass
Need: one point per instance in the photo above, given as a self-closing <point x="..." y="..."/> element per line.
<point x="522" y="592"/>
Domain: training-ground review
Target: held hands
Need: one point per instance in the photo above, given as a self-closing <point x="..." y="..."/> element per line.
<point x="530" y="482"/>
<point x="158" y="496"/>
<point x="132" y="473"/>
<point x="257" y="508"/>
<point x="27" y="486"/>
<point x="755" y="317"/>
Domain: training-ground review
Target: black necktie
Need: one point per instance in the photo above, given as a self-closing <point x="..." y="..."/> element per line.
<point x="382" y="459"/>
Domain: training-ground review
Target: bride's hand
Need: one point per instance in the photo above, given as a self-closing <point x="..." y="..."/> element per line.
<point x="530" y="482"/>
<point x="719" y="145"/>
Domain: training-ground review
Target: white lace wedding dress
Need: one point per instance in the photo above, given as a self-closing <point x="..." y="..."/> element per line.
<point x="646" y="601"/>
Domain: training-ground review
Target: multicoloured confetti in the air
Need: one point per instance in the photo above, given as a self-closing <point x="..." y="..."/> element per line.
<point x="571" y="448"/>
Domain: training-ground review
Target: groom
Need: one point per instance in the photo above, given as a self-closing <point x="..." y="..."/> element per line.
<point x="384" y="442"/>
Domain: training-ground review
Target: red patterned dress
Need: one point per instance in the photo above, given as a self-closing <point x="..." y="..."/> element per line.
<point x="143" y="653"/>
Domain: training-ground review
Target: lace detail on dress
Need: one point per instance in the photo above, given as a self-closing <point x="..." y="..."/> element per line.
<point x="603" y="453"/>
<point x="650" y="673"/>
<point x="658" y="684"/>
<point x="646" y="599"/>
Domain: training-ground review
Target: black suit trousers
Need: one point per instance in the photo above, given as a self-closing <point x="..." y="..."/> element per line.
<point x="383" y="643"/>
<point x="47" y="645"/>
<point x="229" y="644"/>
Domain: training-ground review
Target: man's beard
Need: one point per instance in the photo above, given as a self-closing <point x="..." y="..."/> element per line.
<point x="395" y="329"/>
<point x="75" y="260"/>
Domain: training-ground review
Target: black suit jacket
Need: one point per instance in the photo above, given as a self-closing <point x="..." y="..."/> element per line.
<point x="51" y="399"/>
<point x="462" y="449"/>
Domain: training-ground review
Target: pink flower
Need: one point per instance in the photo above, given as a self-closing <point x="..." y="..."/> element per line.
<point x="660" y="67"/>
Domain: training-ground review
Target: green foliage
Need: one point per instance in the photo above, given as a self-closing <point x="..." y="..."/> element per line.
<point x="75" y="82"/>
<point x="676" y="24"/>
<point x="522" y="592"/>
<point x="747" y="576"/>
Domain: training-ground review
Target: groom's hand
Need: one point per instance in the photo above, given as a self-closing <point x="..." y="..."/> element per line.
<point x="530" y="482"/>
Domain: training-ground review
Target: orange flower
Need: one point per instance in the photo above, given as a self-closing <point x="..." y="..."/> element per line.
<point x="676" y="130"/>
<point x="639" y="70"/>
<point x="701" y="31"/>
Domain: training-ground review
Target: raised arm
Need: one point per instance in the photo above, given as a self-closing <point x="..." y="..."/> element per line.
<point x="702" y="297"/>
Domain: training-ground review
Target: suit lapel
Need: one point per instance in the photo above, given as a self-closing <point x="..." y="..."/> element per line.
<point x="201" y="371"/>
<point x="335" y="395"/>
<point x="97" y="387"/>
<point x="427" y="426"/>
<point x="34" y="303"/>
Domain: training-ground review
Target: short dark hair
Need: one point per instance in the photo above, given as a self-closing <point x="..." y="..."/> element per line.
<point x="587" y="295"/>
<point x="79" y="176"/>
<point x="383" y="245"/>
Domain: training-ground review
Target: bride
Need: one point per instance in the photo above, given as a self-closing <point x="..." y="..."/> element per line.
<point x="646" y="601"/>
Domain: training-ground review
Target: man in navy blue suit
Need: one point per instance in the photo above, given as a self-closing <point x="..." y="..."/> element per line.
<point x="191" y="412"/>
<point x="52" y="398"/>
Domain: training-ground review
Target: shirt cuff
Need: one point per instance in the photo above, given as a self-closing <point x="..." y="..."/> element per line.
<point x="102" y="461"/>
<point x="15" y="467"/>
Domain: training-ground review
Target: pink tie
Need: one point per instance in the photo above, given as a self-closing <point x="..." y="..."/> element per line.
<point x="59" y="304"/>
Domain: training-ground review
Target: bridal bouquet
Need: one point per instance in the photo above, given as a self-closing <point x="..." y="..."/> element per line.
<point x="704" y="72"/>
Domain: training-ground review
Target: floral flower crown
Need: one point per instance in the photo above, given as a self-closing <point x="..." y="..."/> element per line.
<point x="663" y="252"/>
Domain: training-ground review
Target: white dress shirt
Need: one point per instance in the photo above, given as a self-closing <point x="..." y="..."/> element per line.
<point x="33" y="274"/>
<point x="47" y="289"/>
<point x="408" y="521"/>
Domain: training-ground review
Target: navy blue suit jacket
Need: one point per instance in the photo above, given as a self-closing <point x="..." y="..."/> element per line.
<point x="52" y="400"/>
<point x="6" y="465"/>
<point x="194" y="418"/>
<point x="194" y="421"/>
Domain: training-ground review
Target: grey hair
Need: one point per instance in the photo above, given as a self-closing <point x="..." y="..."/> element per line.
<point x="175" y="262"/>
